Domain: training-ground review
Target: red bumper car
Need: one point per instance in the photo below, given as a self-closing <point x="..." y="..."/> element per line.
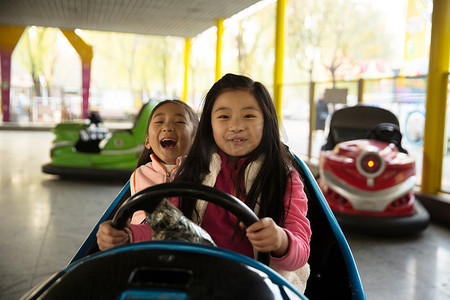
<point x="366" y="175"/>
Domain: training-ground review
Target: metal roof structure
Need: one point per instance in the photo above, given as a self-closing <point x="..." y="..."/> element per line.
<point x="181" y="18"/>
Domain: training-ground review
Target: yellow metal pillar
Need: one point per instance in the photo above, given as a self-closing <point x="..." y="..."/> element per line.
<point x="85" y="52"/>
<point x="279" y="57"/>
<point x="9" y="36"/>
<point x="187" y="51"/>
<point x="436" y="98"/>
<point x="219" y="48"/>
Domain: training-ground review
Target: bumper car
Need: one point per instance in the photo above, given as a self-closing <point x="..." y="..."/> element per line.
<point x="88" y="149"/>
<point x="169" y="269"/>
<point x="366" y="175"/>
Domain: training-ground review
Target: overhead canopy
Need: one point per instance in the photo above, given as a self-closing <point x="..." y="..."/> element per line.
<point x="182" y="18"/>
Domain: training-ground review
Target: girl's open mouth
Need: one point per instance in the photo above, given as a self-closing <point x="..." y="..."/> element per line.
<point x="168" y="143"/>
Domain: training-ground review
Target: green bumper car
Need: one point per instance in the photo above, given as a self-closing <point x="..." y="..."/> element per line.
<point x="89" y="150"/>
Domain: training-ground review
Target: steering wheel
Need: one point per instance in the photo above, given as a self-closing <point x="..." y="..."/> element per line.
<point x="150" y="198"/>
<point x="389" y="133"/>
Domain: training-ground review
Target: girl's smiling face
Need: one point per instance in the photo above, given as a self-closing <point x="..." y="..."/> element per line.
<point x="170" y="133"/>
<point x="237" y="123"/>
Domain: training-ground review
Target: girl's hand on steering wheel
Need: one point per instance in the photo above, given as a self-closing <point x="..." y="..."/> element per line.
<point x="108" y="237"/>
<point x="266" y="236"/>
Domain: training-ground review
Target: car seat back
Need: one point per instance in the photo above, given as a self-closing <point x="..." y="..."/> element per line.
<point x="356" y="122"/>
<point x="333" y="271"/>
<point x="134" y="137"/>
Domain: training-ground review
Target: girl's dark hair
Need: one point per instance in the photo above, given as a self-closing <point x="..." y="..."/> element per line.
<point x="145" y="156"/>
<point x="270" y="183"/>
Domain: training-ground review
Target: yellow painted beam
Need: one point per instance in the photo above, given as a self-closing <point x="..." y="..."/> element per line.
<point x="433" y="149"/>
<point x="219" y="49"/>
<point x="187" y="51"/>
<point x="85" y="52"/>
<point x="10" y="36"/>
<point x="83" y="49"/>
<point x="279" y="57"/>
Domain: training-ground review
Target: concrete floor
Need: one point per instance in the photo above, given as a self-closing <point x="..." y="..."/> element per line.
<point x="43" y="221"/>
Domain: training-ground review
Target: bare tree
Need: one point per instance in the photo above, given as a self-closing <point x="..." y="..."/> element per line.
<point x="325" y="32"/>
<point x="38" y="54"/>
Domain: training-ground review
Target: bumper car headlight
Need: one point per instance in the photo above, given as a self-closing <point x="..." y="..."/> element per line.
<point x="370" y="164"/>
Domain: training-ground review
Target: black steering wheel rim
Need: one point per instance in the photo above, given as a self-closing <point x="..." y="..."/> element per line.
<point x="388" y="133"/>
<point x="149" y="198"/>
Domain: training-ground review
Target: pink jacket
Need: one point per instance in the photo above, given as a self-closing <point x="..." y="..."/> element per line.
<point x="147" y="175"/>
<point x="151" y="173"/>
